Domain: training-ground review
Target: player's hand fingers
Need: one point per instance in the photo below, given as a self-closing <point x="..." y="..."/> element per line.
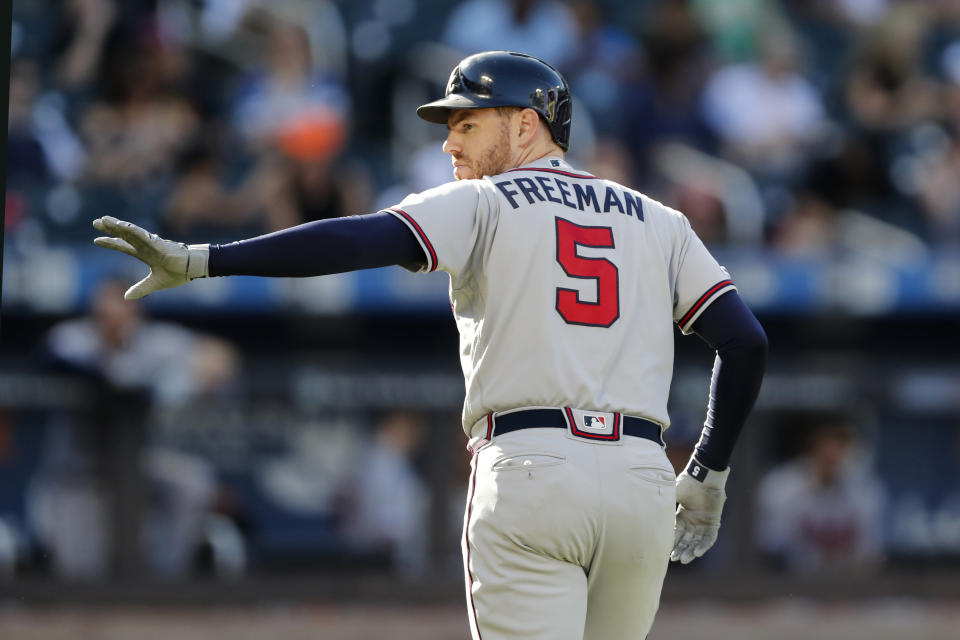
<point x="107" y="224"/>
<point x="688" y="553"/>
<point x="682" y="550"/>
<point x="142" y="288"/>
<point x="705" y="541"/>
<point x="682" y="538"/>
<point x="679" y="531"/>
<point x="100" y="224"/>
<point x="116" y="244"/>
<point x="136" y="236"/>
<point x="679" y="553"/>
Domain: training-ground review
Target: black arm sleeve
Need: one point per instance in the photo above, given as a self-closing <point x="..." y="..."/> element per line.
<point x="321" y="247"/>
<point x="733" y="332"/>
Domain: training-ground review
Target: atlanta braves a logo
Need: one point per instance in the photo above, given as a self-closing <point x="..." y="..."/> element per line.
<point x="596" y="423"/>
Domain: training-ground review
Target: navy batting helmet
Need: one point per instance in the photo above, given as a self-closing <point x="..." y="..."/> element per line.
<point x="506" y="79"/>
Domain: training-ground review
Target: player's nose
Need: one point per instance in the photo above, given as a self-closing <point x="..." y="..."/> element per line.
<point x="451" y="146"/>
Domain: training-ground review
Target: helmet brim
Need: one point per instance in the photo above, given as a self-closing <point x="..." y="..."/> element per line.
<point x="438" y="111"/>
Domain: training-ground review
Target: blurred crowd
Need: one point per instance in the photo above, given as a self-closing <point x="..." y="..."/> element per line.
<point x="807" y="127"/>
<point x="136" y="480"/>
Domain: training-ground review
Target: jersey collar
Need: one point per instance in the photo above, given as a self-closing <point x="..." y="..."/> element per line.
<point x="552" y="164"/>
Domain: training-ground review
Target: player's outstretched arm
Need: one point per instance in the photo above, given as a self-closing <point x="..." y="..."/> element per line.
<point x="311" y="249"/>
<point x="740" y="343"/>
<point x="171" y="263"/>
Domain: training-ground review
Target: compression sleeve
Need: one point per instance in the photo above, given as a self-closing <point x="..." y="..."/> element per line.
<point x="733" y="332"/>
<point x="320" y="248"/>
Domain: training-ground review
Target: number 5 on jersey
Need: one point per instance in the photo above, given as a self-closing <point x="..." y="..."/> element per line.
<point x="605" y="311"/>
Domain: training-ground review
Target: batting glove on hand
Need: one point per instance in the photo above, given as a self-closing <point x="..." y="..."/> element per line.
<point x="700" y="498"/>
<point x="171" y="263"/>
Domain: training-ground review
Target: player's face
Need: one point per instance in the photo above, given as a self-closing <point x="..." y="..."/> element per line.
<point x="478" y="142"/>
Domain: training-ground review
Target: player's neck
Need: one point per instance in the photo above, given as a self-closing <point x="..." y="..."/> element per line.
<point x="536" y="152"/>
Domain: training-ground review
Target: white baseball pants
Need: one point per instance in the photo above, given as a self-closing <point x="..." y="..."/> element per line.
<point x="566" y="538"/>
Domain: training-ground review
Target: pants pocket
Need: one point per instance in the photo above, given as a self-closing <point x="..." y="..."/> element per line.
<point x="656" y="475"/>
<point x="526" y="461"/>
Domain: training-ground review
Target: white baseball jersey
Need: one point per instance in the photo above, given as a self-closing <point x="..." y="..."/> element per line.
<point x="565" y="288"/>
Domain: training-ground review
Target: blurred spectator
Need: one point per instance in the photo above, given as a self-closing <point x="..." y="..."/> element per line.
<point x="824" y="510"/>
<point x="950" y="62"/>
<point x="541" y="28"/>
<point x="848" y="15"/>
<point x="84" y="28"/>
<point x="302" y="180"/>
<point x="887" y="87"/>
<point x="303" y="188"/>
<point x="174" y="364"/>
<point x="235" y="30"/>
<point x="143" y="120"/>
<point x="852" y="182"/>
<point x="608" y="61"/>
<point x="808" y="227"/>
<point x="929" y="166"/>
<point x="720" y="199"/>
<point x="137" y="364"/>
<point x="860" y="12"/>
<point x="25" y="155"/>
<point x="201" y="205"/>
<point x="664" y="104"/>
<point x="294" y="111"/>
<point x="41" y="145"/>
<point x="386" y="500"/>
<point x="934" y="173"/>
<point x="765" y="112"/>
<point x="828" y="34"/>
<point x="813" y="228"/>
<point x="290" y="101"/>
<point x="735" y="26"/>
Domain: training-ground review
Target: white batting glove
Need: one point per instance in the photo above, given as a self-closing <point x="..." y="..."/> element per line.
<point x="171" y="263"/>
<point x="700" y="498"/>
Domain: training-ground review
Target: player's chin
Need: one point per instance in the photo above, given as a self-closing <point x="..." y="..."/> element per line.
<point x="463" y="173"/>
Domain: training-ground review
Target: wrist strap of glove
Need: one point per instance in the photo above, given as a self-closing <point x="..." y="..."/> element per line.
<point x="699" y="472"/>
<point x="198" y="258"/>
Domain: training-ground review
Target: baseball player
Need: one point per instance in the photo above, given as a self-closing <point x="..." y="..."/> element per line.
<point x="565" y="288"/>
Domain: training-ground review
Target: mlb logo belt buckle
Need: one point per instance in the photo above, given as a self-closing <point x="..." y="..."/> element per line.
<point x="602" y="426"/>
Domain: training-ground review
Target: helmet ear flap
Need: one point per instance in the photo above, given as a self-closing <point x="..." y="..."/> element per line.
<point x="564" y="111"/>
<point x="561" y="123"/>
<point x="550" y="106"/>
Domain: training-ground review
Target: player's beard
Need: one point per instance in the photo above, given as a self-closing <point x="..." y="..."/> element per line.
<point x="493" y="160"/>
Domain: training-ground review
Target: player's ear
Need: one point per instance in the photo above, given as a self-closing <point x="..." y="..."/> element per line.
<point x="529" y="124"/>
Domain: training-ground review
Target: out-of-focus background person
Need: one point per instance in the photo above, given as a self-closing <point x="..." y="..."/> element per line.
<point x="822" y="510"/>
<point x="133" y="364"/>
<point x="252" y="440"/>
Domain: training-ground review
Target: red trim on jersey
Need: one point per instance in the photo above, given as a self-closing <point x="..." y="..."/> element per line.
<point x="703" y="299"/>
<point x="468" y="579"/>
<point x="423" y="237"/>
<point x="563" y="173"/>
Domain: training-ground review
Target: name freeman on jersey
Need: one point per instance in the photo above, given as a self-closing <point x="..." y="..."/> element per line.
<point x="546" y="189"/>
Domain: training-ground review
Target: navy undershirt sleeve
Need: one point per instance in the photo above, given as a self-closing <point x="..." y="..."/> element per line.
<point x="320" y="248"/>
<point x="733" y="332"/>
